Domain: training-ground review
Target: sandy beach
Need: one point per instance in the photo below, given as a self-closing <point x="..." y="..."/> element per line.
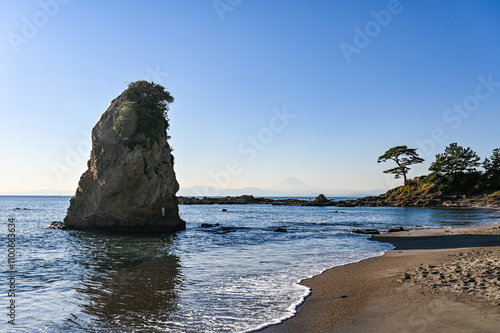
<point x="445" y="280"/>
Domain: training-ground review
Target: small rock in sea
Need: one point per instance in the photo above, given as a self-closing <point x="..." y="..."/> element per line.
<point x="365" y="231"/>
<point x="225" y="230"/>
<point x="209" y="225"/>
<point x="397" y="229"/>
<point x="56" y="225"/>
<point x="321" y="198"/>
<point x="280" y="230"/>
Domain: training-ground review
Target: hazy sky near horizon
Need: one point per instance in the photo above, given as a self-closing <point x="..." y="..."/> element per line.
<point x="264" y="90"/>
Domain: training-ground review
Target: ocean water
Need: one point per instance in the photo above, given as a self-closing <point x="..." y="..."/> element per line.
<point x="236" y="277"/>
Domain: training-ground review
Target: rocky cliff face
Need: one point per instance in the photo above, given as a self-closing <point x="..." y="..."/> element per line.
<point x="126" y="188"/>
<point x="422" y="194"/>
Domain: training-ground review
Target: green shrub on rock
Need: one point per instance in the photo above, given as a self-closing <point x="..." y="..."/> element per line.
<point x="126" y="123"/>
<point x="144" y="120"/>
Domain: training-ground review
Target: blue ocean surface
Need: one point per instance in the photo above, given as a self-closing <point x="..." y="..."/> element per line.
<point x="239" y="276"/>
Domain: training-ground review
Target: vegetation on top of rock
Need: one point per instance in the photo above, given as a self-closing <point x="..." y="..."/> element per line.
<point x="144" y="118"/>
<point x="455" y="160"/>
<point x="453" y="172"/>
<point x="126" y="123"/>
<point x="403" y="156"/>
<point x="492" y="169"/>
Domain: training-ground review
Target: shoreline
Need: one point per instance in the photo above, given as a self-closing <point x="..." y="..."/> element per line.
<point x="295" y="306"/>
<point x="421" y="285"/>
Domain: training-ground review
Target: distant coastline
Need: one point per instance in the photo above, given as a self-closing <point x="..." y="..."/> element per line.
<point x="393" y="198"/>
<point x="428" y="197"/>
<point x="47" y="193"/>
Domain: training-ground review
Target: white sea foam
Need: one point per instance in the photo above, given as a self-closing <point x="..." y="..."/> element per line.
<point x="291" y="311"/>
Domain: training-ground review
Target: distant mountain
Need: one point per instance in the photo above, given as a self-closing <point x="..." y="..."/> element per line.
<point x="210" y="191"/>
<point x="290" y="187"/>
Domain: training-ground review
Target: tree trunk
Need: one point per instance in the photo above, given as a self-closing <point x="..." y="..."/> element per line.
<point x="402" y="169"/>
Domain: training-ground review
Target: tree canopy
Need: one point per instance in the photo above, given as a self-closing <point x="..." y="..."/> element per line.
<point x="455" y="160"/>
<point x="145" y="116"/>
<point x="403" y="156"/>
<point x="455" y="171"/>
<point x="492" y="169"/>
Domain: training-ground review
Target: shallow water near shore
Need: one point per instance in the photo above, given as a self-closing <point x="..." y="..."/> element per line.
<point x="239" y="276"/>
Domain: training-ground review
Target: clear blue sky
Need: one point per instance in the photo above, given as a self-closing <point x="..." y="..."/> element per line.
<point x="349" y="79"/>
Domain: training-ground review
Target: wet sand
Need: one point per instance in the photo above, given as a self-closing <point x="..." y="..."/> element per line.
<point x="434" y="281"/>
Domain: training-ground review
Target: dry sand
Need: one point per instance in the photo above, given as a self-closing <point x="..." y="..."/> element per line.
<point x="434" y="281"/>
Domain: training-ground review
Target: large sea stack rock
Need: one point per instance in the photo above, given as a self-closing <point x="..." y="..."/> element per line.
<point x="130" y="183"/>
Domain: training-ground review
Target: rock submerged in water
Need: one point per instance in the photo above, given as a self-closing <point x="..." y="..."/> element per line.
<point x="130" y="184"/>
<point x="365" y="231"/>
<point x="397" y="229"/>
<point x="209" y="225"/>
<point x="56" y="225"/>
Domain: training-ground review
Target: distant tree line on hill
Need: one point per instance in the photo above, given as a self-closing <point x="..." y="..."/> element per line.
<point x="454" y="171"/>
